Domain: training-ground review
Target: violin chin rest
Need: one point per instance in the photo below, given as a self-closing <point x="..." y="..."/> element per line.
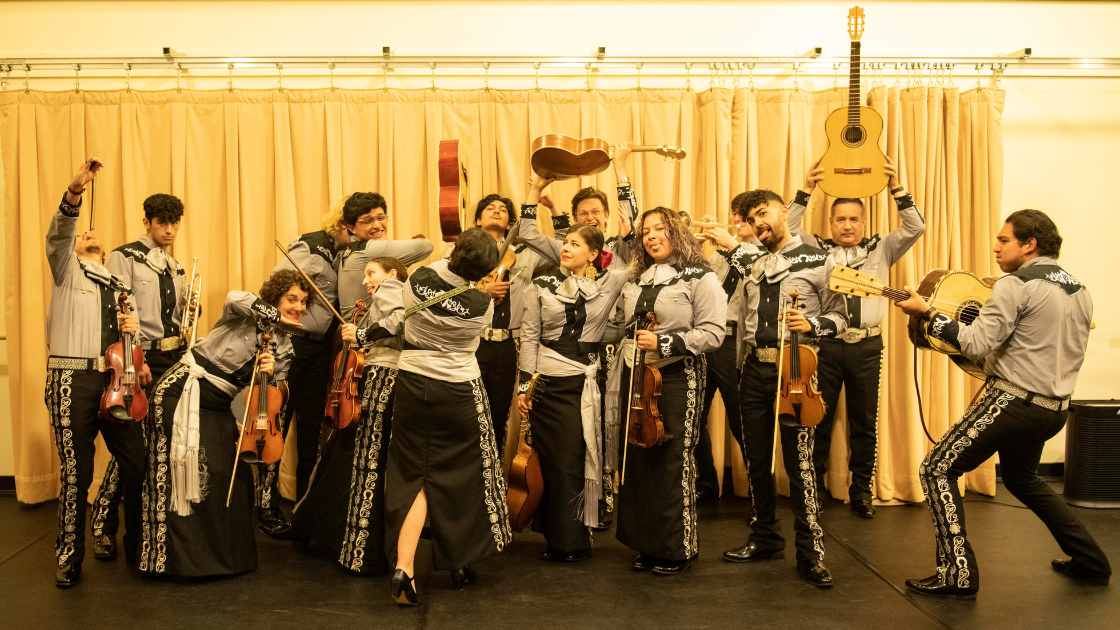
<point x="120" y="413"/>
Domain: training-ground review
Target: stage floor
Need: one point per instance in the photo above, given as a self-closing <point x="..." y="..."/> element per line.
<point x="298" y="588"/>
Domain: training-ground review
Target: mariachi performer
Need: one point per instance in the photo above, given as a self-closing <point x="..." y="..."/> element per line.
<point x="669" y="279"/>
<point x="566" y="312"/>
<point x="191" y="436"/>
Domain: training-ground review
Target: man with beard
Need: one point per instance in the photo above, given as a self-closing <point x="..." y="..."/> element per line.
<point x="788" y="264"/>
<point x="83" y="322"/>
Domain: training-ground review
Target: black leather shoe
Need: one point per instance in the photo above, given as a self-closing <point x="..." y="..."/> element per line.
<point x="863" y="508"/>
<point x="815" y="573"/>
<point x="935" y="586"/>
<point x="551" y="555"/>
<point x="283" y="531"/>
<point x="1077" y="572"/>
<point x="671" y="567"/>
<point x="68" y="575"/>
<point x="643" y="563"/>
<point x="403" y="590"/>
<point x="271" y="515"/>
<point x="751" y="552"/>
<point x="104" y="547"/>
<point x="463" y="577"/>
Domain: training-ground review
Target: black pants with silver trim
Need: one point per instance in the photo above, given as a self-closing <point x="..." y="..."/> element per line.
<point x="999" y="422"/>
<point x="497" y="360"/>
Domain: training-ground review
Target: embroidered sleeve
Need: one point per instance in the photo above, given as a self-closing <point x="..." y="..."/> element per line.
<point x="833" y="321"/>
<point x="523" y="382"/>
<point x="549" y="248"/>
<point x="373" y="333"/>
<point x="672" y="345"/>
<point x="68" y="209"/>
<point x="561" y="222"/>
<point x="943" y="328"/>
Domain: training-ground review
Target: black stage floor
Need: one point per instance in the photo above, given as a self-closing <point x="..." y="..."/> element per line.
<point x="297" y="588"/>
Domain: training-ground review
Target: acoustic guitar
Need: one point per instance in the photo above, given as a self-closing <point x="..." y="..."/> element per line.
<point x="453" y="190"/>
<point x="526" y="483"/>
<point x="853" y="163"/>
<point x="556" y="156"/>
<point x="507" y="258"/>
<point x="957" y="294"/>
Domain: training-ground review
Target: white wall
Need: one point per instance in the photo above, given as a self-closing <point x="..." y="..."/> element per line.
<point x="1062" y="136"/>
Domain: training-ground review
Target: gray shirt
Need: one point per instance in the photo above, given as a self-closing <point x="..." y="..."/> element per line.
<point x="1032" y="331"/>
<point x="353" y="265"/>
<point x="440" y="341"/>
<point x="79" y="321"/>
<point x="690" y="305"/>
<point x="875" y="255"/>
<point x="315" y="253"/>
<point x="159" y="293"/>
<point x="770" y="278"/>
<point x="730" y="277"/>
<point x="232" y="344"/>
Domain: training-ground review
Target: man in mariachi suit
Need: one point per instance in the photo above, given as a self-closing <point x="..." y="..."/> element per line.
<point x="854" y="360"/>
<point x="787" y="265"/>
<point x="1030" y="338"/>
<point x="83" y="322"/>
<point x="158" y="285"/>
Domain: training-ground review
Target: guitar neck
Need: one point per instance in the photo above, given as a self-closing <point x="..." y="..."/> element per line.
<point x="644" y="147"/>
<point x="853" y="86"/>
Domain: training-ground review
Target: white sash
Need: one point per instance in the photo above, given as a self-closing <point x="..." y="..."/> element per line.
<point x="184" y="437"/>
<point x="552" y="363"/>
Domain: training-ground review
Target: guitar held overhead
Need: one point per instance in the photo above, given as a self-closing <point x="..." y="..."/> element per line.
<point x="556" y="156"/>
<point x="956" y="294"/>
<point x="453" y="189"/>
<point x="853" y="162"/>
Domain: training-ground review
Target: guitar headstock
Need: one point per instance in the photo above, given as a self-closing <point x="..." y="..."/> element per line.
<point x="530" y="393"/>
<point x="855" y="23"/>
<point x="854" y="282"/>
<point x="675" y="154"/>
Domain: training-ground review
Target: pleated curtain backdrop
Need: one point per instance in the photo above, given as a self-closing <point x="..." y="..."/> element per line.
<point x="254" y="166"/>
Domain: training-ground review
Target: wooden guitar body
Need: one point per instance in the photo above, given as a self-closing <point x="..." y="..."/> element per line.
<point x="556" y="156"/>
<point x="526" y="483"/>
<point x="960" y="295"/>
<point x="853" y="163"/>
<point x="453" y="190"/>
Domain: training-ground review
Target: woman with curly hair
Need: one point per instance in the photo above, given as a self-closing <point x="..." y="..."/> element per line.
<point x="191" y="435"/>
<point x="669" y="279"/>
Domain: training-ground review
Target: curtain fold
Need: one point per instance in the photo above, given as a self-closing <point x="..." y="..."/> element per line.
<point x="253" y="166"/>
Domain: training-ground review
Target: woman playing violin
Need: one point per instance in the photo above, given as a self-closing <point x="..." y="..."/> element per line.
<point x="191" y="434"/>
<point x="670" y="279"/>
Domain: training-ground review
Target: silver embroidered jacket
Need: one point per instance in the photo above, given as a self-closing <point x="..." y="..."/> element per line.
<point x="316" y="254"/>
<point x="1032" y="331"/>
<point x="690" y="305"/>
<point x="380" y="328"/>
<point x="549" y="248"/>
<point x="232" y="344"/>
<point x="352" y="265"/>
<point x="875" y="255"/>
<point x="159" y="293"/>
<point x="440" y="341"/>
<point x="79" y="321"/>
<point x="769" y="278"/>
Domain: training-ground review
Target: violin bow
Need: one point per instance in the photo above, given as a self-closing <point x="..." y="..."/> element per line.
<point x="777" y="425"/>
<point x="241" y="437"/>
<point x="305" y="277"/>
<point x="629" y="403"/>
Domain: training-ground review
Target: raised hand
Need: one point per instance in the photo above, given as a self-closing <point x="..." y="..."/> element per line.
<point x="815" y="174"/>
<point x="892" y="172"/>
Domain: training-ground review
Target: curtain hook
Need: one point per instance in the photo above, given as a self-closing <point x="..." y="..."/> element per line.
<point x="997" y="74"/>
<point x="280" y="76"/>
<point x="77" y="78"/>
<point x="330" y="66"/>
<point x="835" y="76"/>
<point x="230" y="83"/>
<point x="897" y="75"/>
<point x="712" y="80"/>
<point x="952" y="83"/>
<point x="796" y="75"/>
<point x="128" y="78"/>
<point x="587" y="80"/>
<point x="433" y="66"/>
<point x="179" y="78"/>
<point x="979" y="69"/>
<point x="27" y="78"/>
<point x="738" y="75"/>
<point x="639" y="64"/>
<point x="537" y="76"/>
<point x="751" y="84"/>
<point x="688" y="76"/>
<point x="486" y="76"/>
<point x="4" y="81"/>
<point x="385" y="77"/>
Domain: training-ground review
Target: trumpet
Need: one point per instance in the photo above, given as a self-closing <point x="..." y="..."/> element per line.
<point x="698" y="226"/>
<point x="194" y="295"/>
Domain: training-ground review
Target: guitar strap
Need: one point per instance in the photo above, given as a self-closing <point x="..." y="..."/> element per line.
<point x="446" y="295"/>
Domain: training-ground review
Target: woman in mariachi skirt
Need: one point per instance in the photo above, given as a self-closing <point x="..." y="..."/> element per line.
<point x="444" y="463"/>
<point x="344" y="508"/>
<point x="669" y="277"/>
<point x="191" y="435"/>
<point x="566" y="312"/>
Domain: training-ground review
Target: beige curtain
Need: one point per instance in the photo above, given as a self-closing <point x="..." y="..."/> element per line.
<point x="256" y="166"/>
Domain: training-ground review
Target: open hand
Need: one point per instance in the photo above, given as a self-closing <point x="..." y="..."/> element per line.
<point x="815" y="174"/>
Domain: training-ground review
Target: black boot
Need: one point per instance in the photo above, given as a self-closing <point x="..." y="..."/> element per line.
<point x="463" y="577"/>
<point x="104" y="547"/>
<point x="815" y="573"/>
<point x="751" y="552"/>
<point x="283" y="531"/>
<point x="935" y="586"/>
<point x="271" y="515"/>
<point x="68" y="575"/>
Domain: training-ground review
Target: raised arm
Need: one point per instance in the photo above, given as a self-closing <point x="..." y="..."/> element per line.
<point x="902" y="238"/>
<point x="390" y="301"/>
<point x="799" y="204"/>
<point x="300" y="252"/>
<point x="548" y="248"/>
<point x="61" y="236"/>
<point x="246" y="304"/>
<point x="408" y="252"/>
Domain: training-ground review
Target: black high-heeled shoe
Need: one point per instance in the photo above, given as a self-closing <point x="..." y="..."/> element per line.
<point x="463" y="577"/>
<point x="404" y="593"/>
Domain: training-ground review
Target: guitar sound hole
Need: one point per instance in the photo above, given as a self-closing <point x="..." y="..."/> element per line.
<point x="854" y="136"/>
<point x="969" y="312"/>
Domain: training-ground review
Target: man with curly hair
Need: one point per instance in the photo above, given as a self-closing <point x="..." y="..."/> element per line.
<point x="158" y="283"/>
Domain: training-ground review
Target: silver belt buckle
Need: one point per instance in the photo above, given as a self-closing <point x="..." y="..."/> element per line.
<point x="495" y="334"/>
<point x="853" y="335"/>
<point x="729" y="330"/>
<point x="167" y="344"/>
<point x="766" y="355"/>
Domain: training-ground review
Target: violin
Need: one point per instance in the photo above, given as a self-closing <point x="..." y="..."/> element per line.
<point x="344" y="403"/>
<point x="526" y="482"/>
<point x="262" y="441"/>
<point x="798" y="397"/>
<point x="644" y="426"/>
<point x="123" y="399"/>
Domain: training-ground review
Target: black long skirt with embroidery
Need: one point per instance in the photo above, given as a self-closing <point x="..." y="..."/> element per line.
<point x="657" y="504"/>
<point x="556" y="429"/>
<point x="213" y="539"/>
<point x="443" y="442"/>
<point x="344" y="508"/>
